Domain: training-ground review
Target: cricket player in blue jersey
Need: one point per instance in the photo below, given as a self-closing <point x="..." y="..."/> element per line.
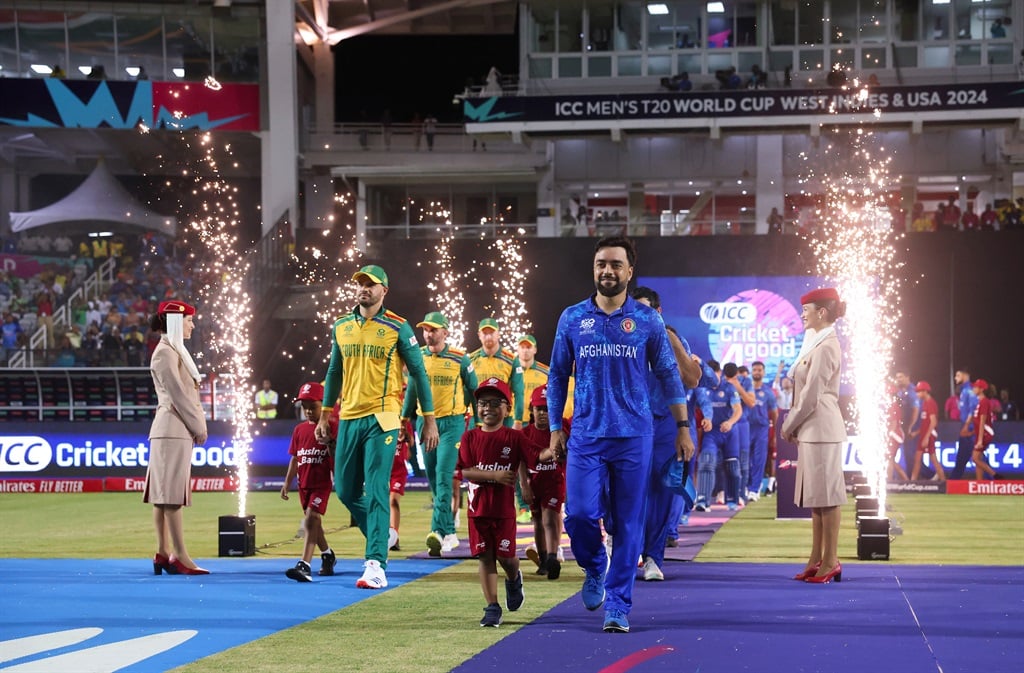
<point x="745" y="389"/>
<point x="764" y="413"/>
<point x="612" y="341"/>
<point x="720" y="443"/>
<point x="662" y="514"/>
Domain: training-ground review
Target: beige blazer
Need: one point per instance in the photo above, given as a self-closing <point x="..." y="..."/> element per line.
<point x="179" y="414"/>
<point x="815" y="415"/>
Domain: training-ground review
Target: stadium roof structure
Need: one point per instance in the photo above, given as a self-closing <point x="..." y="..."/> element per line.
<point x="100" y="200"/>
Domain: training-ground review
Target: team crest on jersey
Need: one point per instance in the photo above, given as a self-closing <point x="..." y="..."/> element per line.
<point x="349" y="328"/>
<point x="380" y="333"/>
<point x="506" y="451"/>
<point x="628" y="325"/>
<point x="447" y="364"/>
<point x="721" y="393"/>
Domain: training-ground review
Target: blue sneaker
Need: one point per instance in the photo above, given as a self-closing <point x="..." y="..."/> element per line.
<point x="615" y="621"/>
<point x="593" y="591"/>
<point x="492" y="616"/>
<point x="731" y="507"/>
<point x="514" y="596"/>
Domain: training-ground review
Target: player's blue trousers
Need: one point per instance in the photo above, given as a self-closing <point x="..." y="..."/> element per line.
<point x="718" y="446"/>
<point x="608" y="473"/>
<point x="660" y="500"/>
<point x="743" y="428"/>
<point x="758" y="456"/>
<point x="679" y="506"/>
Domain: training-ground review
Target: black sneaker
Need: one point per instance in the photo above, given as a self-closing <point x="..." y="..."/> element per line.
<point x="327" y="561"/>
<point x="492" y="616"/>
<point x="554" y="566"/>
<point x="300" y="573"/>
<point x="514" y="595"/>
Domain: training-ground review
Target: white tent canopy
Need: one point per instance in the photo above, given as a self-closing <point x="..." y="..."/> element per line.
<point x="100" y="199"/>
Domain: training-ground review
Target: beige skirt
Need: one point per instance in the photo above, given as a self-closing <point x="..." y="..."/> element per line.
<point x="168" y="478"/>
<point x="819" y="474"/>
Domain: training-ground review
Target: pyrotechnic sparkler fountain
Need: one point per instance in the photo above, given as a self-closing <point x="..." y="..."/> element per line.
<point x="856" y="248"/>
<point x="446" y="292"/>
<point x="222" y="272"/>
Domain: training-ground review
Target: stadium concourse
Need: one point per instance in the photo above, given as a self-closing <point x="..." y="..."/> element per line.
<point x="96" y="615"/>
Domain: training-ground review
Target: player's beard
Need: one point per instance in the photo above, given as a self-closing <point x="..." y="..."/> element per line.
<point x="610" y="290"/>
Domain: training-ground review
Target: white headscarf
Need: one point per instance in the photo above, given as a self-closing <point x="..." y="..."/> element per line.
<point x="175" y="336"/>
<point x="812" y="338"/>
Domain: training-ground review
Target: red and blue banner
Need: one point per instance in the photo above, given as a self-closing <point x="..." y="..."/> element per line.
<point x="179" y="106"/>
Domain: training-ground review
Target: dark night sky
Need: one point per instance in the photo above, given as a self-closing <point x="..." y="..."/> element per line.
<point x="410" y="74"/>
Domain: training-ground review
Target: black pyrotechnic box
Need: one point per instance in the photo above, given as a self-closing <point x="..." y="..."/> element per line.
<point x="237" y="535"/>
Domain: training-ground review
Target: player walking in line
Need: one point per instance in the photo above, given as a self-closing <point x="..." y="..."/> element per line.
<point x="612" y="341"/>
<point x="369" y="346"/>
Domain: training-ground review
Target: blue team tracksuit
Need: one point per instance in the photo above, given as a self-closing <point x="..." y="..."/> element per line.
<point x="717" y="445"/>
<point x="609" y="450"/>
<point x="764" y="403"/>
<point x="657" y="526"/>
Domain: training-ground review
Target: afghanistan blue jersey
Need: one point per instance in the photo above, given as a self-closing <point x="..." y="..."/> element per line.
<point x="721" y="397"/>
<point x="968" y="403"/>
<point x="764" y="402"/>
<point x="612" y="356"/>
<point x="748" y="385"/>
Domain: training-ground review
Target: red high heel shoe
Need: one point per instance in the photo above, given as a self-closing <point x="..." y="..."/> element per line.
<point x="160" y="564"/>
<point x="836" y="573"/>
<point x="809" y="571"/>
<point x="180" y="568"/>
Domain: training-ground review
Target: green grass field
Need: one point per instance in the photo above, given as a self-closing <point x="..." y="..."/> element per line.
<point x="430" y="624"/>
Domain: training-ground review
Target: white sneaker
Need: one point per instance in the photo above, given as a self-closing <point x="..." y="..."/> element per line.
<point x="752" y="496"/>
<point x="720" y="498"/>
<point x="449" y="543"/>
<point x="392" y="538"/>
<point x="652" y="573"/>
<point x="373" y="576"/>
<point x="560" y="555"/>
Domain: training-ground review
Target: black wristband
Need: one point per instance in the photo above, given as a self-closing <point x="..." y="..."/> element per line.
<point x="682" y="424"/>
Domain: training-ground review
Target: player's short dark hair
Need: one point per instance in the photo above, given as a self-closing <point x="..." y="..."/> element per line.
<point x="644" y="292"/>
<point x="715" y="367"/>
<point x="742" y="369"/>
<point x="756" y="363"/>
<point x="729" y="370"/>
<point x="618" y="242"/>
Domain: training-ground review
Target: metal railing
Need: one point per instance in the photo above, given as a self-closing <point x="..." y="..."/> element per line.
<point x="101" y="278"/>
<point x="98" y="394"/>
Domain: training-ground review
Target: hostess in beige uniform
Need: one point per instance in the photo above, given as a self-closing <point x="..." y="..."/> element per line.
<point x="816" y="425"/>
<point x="179" y="424"/>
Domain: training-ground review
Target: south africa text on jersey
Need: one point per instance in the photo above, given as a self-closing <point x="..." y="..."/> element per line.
<point x="364" y="351"/>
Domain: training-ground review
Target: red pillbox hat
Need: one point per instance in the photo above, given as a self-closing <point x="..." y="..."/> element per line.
<point x="822" y="294"/>
<point x="175" y="306"/>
